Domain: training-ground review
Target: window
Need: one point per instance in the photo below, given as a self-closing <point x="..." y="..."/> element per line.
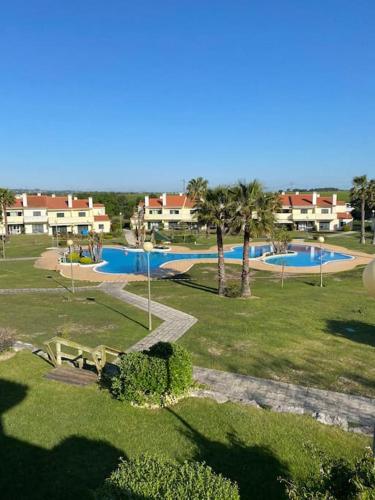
<point x="60" y="214"/>
<point x="325" y="210"/>
<point x="155" y="212"/>
<point x="174" y="212"/>
<point x="38" y="228"/>
<point x="14" y="213"/>
<point x="81" y="214"/>
<point x="101" y="226"/>
<point x="304" y="211"/>
<point x="192" y="212"/>
<point x="37" y="213"/>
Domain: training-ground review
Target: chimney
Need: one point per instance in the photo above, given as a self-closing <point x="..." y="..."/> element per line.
<point x="24" y="199"/>
<point x="147" y="201"/>
<point x="314" y="198"/>
<point x="91" y="205"/>
<point x="39" y="194"/>
<point x="53" y="195"/>
<point x="181" y="194"/>
<point x="164" y="198"/>
<point x="282" y="193"/>
<point x="75" y="198"/>
<point x="334" y="199"/>
<point x="70" y="201"/>
<point x="297" y="192"/>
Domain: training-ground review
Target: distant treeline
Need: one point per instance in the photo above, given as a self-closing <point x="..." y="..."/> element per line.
<point x="115" y="202"/>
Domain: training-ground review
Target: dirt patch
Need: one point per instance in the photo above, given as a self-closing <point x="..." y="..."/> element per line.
<point x="215" y="351"/>
<point x="6" y="355"/>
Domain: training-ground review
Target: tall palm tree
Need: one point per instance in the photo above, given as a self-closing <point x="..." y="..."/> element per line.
<point x="359" y="195"/>
<point x="7" y="199"/>
<point x="254" y="214"/>
<point x="197" y="188"/>
<point x="215" y="209"/>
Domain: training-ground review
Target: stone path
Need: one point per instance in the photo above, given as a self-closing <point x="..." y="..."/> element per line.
<point x="16" y="291"/>
<point x="175" y="323"/>
<point x="355" y="410"/>
<point x="11" y="259"/>
<point x="346" y="410"/>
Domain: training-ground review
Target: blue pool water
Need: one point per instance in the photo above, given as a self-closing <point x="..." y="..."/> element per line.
<point x="123" y="261"/>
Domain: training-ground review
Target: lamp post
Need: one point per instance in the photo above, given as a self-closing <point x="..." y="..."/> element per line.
<point x="373" y="226"/>
<point x="369" y="282"/>
<point x="147" y="247"/>
<point x="321" y="241"/>
<point x="70" y="245"/>
<point x="120" y="215"/>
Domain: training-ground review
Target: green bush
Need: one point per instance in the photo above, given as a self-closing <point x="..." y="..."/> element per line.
<point x="347" y="228"/>
<point x="233" y="290"/>
<point x="148" y="477"/>
<point x="188" y="238"/>
<point x="7" y="339"/>
<point x="73" y="257"/>
<point x="337" y="479"/>
<point x="179" y="366"/>
<point x="141" y="379"/>
<point x="85" y="260"/>
<point x="150" y="376"/>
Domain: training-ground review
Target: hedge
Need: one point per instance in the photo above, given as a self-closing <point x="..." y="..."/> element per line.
<point x="149" y="376"/>
<point x="148" y="477"/>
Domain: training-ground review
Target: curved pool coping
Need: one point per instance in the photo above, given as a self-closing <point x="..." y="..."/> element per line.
<point x="49" y="260"/>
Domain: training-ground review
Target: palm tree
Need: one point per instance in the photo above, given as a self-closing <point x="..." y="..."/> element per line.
<point x="359" y="195"/>
<point x="7" y="199"/>
<point x="197" y="188"/>
<point x="254" y="214"/>
<point x="215" y="209"/>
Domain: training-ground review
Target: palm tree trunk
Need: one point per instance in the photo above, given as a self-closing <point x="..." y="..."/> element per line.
<point x="220" y="261"/>
<point x="363" y="237"/>
<point x="5" y="217"/>
<point x="245" y="276"/>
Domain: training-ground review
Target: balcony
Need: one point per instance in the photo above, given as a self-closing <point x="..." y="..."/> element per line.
<point x="37" y="219"/>
<point x="70" y="221"/>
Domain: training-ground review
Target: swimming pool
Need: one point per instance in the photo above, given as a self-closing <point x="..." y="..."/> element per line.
<point x="123" y="261"/>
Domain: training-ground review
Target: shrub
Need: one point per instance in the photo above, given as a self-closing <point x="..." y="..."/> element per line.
<point x="7" y="339"/>
<point x="73" y="257"/>
<point x="85" y="260"/>
<point x="337" y="478"/>
<point x="179" y="366"/>
<point x="155" y="478"/>
<point x="150" y="376"/>
<point x="188" y="238"/>
<point x="233" y="290"/>
<point x="141" y="378"/>
<point x="347" y="228"/>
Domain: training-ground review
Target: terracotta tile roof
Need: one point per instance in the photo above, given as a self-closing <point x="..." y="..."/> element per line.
<point x="98" y="218"/>
<point x="305" y="200"/>
<point x="53" y="202"/>
<point x="344" y="215"/>
<point x="173" y="201"/>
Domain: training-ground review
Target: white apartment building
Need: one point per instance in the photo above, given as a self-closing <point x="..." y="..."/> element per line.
<point x="303" y="212"/>
<point x="42" y="214"/>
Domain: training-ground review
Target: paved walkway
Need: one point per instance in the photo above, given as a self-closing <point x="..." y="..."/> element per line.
<point x="356" y="410"/>
<point x="11" y="259"/>
<point x="175" y="323"/>
<point x="16" y="291"/>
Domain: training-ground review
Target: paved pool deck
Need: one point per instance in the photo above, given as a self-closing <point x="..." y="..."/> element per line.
<point x="50" y="260"/>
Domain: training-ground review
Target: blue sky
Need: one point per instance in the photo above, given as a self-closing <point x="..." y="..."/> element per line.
<point x="137" y="95"/>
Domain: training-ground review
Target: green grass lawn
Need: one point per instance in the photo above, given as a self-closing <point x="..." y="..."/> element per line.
<point x="28" y="245"/>
<point x="23" y="274"/>
<point x="60" y="441"/>
<point x="301" y="334"/>
<point x="352" y="242"/>
<point x="91" y="318"/>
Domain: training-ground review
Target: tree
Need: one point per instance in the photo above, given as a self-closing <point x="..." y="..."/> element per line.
<point x="7" y="199"/>
<point x="215" y="209"/>
<point x="197" y="188"/>
<point x="254" y="214"/>
<point x="359" y="196"/>
<point x="280" y="238"/>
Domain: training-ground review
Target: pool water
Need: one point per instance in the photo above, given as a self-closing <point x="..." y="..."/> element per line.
<point x="120" y="260"/>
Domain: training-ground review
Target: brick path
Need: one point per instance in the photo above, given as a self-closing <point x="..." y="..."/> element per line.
<point x="175" y="323"/>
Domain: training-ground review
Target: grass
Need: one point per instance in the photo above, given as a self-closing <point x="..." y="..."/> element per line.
<point x="352" y="242"/>
<point x="23" y="274"/>
<point x="58" y="441"/>
<point x="28" y="245"/>
<point x="301" y="334"/>
<point x="90" y="318"/>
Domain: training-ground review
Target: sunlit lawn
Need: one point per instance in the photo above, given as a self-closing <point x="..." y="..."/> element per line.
<point x="60" y="441"/>
<point x="301" y="334"/>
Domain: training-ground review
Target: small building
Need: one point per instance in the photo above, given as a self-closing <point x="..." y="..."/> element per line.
<point x="50" y="214"/>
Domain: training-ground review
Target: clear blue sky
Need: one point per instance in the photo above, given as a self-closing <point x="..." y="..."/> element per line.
<point x="135" y="95"/>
